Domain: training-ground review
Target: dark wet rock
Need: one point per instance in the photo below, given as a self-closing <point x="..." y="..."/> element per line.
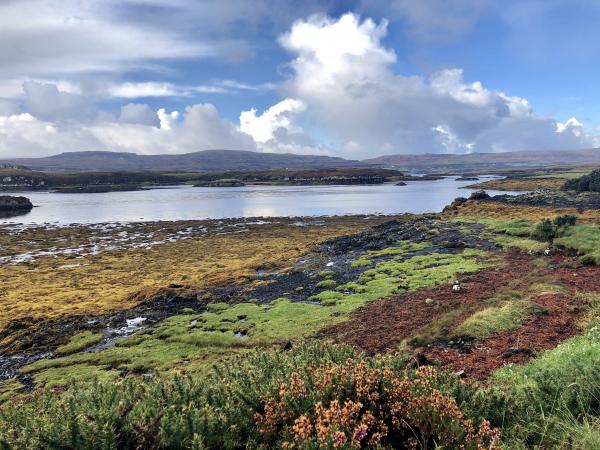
<point x="452" y="206"/>
<point x="517" y="351"/>
<point x="13" y="206"/>
<point x="479" y="195"/>
<point x="422" y="360"/>
<point x="467" y="179"/>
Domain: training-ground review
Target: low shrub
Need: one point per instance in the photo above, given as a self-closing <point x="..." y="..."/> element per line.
<point x="314" y="396"/>
<point x="547" y="230"/>
<point x="544" y="230"/>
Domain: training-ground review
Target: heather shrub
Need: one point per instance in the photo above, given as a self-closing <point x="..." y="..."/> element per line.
<point x="356" y="405"/>
<point x="314" y="396"/>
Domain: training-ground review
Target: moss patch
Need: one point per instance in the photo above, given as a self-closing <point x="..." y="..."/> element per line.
<point x="79" y="342"/>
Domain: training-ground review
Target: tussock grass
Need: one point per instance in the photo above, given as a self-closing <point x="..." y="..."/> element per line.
<point x="495" y="319"/>
<point x="530" y="246"/>
<point x="585" y="240"/>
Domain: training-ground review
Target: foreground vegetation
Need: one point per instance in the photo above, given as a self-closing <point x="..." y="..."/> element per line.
<point x="319" y="395"/>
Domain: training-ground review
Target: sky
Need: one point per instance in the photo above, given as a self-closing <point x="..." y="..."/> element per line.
<point x="356" y="79"/>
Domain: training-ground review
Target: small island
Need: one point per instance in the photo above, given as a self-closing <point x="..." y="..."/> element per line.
<point x="14" y="206"/>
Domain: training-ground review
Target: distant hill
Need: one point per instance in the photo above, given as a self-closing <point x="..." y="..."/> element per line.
<point x="238" y="160"/>
<point x="478" y="162"/>
<point x="204" y="161"/>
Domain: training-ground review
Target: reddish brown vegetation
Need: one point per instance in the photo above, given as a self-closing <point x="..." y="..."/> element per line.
<point x="382" y="325"/>
<point x="538" y="333"/>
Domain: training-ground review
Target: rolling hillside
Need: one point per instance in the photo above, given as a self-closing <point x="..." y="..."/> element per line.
<point x="204" y="161"/>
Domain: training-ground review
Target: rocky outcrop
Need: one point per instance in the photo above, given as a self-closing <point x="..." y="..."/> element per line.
<point x="12" y="206"/>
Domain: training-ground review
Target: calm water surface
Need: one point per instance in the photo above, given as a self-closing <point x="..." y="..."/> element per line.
<point x="182" y="202"/>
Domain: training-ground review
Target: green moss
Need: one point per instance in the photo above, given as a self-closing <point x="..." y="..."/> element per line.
<point x="361" y="263"/>
<point x="326" y="284"/>
<point x="494" y="319"/>
<point x="327" y="273"/>
<point x="514" y="227"/>
<point x="8" y="388"/>
<point x="215" y="307"/>
<point x="398" y="275"/>
<point x="79" y="342"/>
<point x="401" y="248"/>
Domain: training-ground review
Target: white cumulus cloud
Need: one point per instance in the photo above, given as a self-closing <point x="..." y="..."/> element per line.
<point x="344" y="75"/>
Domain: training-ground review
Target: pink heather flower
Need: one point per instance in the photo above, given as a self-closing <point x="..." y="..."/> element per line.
<point x="339" y="436"/>
<point x="361" y="433"/>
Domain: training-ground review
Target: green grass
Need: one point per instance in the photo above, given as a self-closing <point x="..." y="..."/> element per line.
<point x="591" y="302"/>
<point x="79" y="342"/>
<point x="516" y="243"/>
<point x="552" y="402"/>
<point x="583" y="239"/>
<point x="495" y="319"/>
<point x="547" y="288"/>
